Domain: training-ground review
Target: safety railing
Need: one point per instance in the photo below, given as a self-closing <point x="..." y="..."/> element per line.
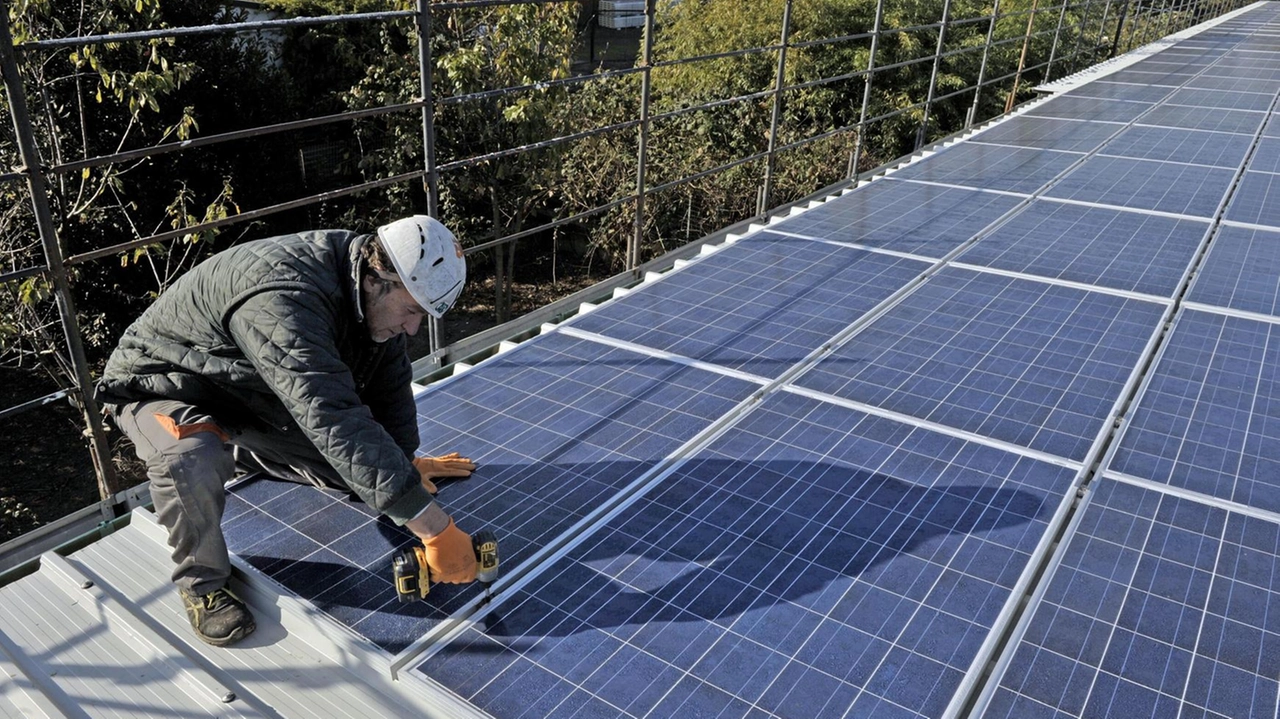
<point x="965" y="66"/>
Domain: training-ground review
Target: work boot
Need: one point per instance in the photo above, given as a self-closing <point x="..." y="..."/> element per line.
<point x="219" y="617"/>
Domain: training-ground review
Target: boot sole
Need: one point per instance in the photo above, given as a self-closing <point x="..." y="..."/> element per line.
<point x="235" y="636"/>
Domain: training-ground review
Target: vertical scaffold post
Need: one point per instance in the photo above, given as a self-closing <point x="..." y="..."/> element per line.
<point x="779" y="84"/>
<point x="33" y="168"/>
<point x="1022" y="59"/>
<point x="431" y="180"/>
<point x="642" y="152"/>
<point x="923" y="132"/>
<point x="982" y="68"/>
<point x="1124" y="13"/>
<point x="1053" y="49"/>
<point x="866" y="93"/>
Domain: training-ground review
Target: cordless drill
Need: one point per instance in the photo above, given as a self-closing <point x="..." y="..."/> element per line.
<point x="413" y="577"/>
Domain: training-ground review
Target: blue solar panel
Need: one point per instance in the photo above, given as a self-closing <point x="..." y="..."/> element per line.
<point x="924" y="220"/>
<point x="1197" y="147"/>
<point x="814" y="561"/>
<point x="1224" y="100"/>
<point x="1143" y="76"/>
<point x="1272" y="128"/>
<point x="1013" y="169"/>
<point x="1204" y="118"/>
<point x="1030" y="363"/>
<point x="1234" y="84"/>
<point x="760" y="305"/>
<point x="1161" y="607"/>
<point x="1266" y="156"/>
<point x="557" y="426"/>
<point x="1089" y="108"/>
<point x="1207" y="421"/>
<point x="1121" y="91"/>
<point x="1240" y="271"/>
<point x="1256" y="200"/>
<point x="1146" y="185"/>
<point x="1111" y="248"/>
<point x="1047" y="132"/>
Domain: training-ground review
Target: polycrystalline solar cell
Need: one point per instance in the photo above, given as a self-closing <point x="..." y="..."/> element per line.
<point x="1255" y="73"/>
<point x="556" y="426"/>
<point x="1272" y="128"/>
<point x="1208" y="420"/>
<point x="1233" y="84"/>
<point x="1051" y="133"/>
<point x="1031" y="363"/>
<point x="924" y="220"/>
<point x="1147" y="185"/>
<point x="1240" y="271"/>
<point x="1121" y="91"/>
<point x="969" y="164"/>
<point x="813" y="562"/>
<point x="1197" y="147"/>
<point x="759" y="305"/>
<point x="1255" y="200"/>
<point x="1089" y="108"/>
<point x="1204" y="118"/>
<point x="1224" y="100"/>
<point x="1092" y="245"/>
<point x="1141" y="76"/>
<point x="1161" y="607"/>
<point x="1266" y="156"/>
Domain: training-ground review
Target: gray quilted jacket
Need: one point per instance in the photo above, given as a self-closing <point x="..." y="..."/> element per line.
<point x="272" y="333"/>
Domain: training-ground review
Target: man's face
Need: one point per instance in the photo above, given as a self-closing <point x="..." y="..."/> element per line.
<point x="390" y="310"/>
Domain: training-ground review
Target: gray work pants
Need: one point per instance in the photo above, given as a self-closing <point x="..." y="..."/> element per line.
<point x="189" y="459"/>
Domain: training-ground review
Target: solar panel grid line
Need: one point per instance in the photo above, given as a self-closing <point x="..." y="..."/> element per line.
<point x="953" y="186"/>
<point x="948" y="430"/>
<point x="1194" y="496"/>
<point x="1143" y="296"/>
<point x="1230" y="312"/>
<point x="571" y="331"/>
<point x="850" y="245"/>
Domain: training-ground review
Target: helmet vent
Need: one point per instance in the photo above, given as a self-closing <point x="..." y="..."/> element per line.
<point x="438" y="261"/>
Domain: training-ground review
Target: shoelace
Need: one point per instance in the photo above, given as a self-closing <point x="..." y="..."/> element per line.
<point x="217" y="599"/>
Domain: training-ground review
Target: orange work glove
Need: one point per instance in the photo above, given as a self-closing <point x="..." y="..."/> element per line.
<point x="450" y="465"/>
<point x="450" y="556"/>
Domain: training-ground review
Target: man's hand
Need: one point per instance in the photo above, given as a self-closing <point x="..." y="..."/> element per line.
<point x="450" y="465"/>
<point x="450" y="556"/>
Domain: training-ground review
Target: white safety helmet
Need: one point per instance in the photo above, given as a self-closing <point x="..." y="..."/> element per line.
<point x="428" y="259"/>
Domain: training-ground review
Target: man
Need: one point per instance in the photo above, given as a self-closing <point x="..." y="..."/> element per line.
<point x="288" y="355"/>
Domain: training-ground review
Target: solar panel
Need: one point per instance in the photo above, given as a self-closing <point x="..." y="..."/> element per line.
<point x="558" y="427"/>
<point x="1044" y="132"/>
<point x="758" y="306"/>
<point x="1159" y="608"/>
<point x="813" y="561"/>
<point x="1121" y="91"/>
<point x="1207" y="420"/>
<point x="1141" y="76"/>
<point x="1225" y="100"/>
<point x="925" y="220"/>
<point x="1031" y="363"/>
<point x="1012" y="169"/>
<point x="1234" y="84"/>
<point x="1255" y="200"/>
<point x="1240" y="271"/>
<point x="1143" y="184"/>
<point x="1266" y="156"/>
<point x="1092" y="245"/>
<point x="1198" y="147"/>
<point x="1204" y="118"/>
<point x="1089" y="108"/>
